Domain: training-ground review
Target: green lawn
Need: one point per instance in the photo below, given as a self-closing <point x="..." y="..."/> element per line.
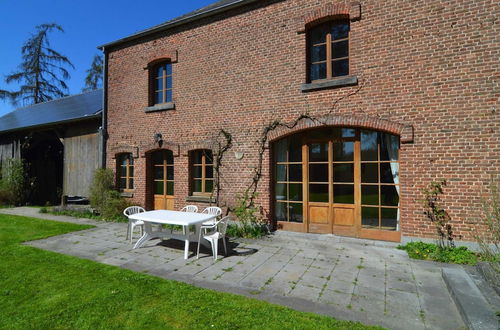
<point x="41" y="289"/>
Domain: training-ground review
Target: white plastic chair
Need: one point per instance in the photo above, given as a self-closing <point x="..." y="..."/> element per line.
<point x="133" y="223"/>
<point x="212" y="210"/>
<point x="214" y="237"/>
<point x="190" y="208"/>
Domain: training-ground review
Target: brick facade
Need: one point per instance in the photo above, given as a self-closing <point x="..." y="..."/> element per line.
<point x="428" y="71"/>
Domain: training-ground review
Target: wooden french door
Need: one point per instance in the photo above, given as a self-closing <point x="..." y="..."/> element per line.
<point x="332" y="186"/>
<point x="162" y="167"/>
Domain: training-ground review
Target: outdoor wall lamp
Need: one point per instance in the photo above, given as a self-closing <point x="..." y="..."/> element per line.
<point x="158" y="137"/>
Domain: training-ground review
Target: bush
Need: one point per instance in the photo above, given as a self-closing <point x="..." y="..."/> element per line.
<point x="250" y="225"/>
<point x="104" y="198"/>
<point x="12" y="182"/>
<point x="489" y="242"/>
<point x="429" y="251"/>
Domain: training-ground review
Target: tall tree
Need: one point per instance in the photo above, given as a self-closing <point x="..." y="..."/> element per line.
<point x="42" y="73"/>
<point x="93" y="80"/>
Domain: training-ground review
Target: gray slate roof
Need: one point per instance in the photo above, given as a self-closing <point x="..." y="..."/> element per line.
<point x="212" y="9"/>
<point x="67" y="109"/>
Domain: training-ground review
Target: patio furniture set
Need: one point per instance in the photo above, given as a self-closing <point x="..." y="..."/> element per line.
<point x="208" y="225"/>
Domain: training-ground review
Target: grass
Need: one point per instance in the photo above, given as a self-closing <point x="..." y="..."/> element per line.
<point x="42" y="289"/>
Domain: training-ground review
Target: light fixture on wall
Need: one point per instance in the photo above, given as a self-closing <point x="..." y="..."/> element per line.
<point x="158" y="137"/>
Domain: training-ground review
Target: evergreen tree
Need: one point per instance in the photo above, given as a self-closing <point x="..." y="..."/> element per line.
<point x="42" y="74"/>
<point x="93" y="80"/>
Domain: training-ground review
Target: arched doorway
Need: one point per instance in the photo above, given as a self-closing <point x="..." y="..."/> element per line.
<point x="338" y="180"/>
<point x="161" y="179"/>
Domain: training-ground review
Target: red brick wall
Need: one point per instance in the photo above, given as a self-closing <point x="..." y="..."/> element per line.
<point x="432" y="65"/>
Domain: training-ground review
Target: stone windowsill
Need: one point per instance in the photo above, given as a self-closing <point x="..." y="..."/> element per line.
<point x="160" y="107"/>
<point x="331" y="83"/>
<point x="127" y="194"/>
<point x="200" y="199"/>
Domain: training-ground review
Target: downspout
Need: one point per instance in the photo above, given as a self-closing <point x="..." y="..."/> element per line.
<point x="104" y="123"/>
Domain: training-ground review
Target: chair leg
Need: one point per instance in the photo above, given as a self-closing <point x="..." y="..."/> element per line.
<point x="225" y="248"/>
<point x="199" y="242"/>
<point x="128" y="231"/>
<point x="215" y="244"/>
<point x="142" y="230"/>
<point x="132" y="226"/>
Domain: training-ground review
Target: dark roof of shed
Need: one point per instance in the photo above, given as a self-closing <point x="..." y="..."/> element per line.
<point x="67" y="109"/>
<point x="212" y="9"/>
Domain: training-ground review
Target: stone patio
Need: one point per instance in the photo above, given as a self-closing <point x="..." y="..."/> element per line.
<point x="367" y="281"/>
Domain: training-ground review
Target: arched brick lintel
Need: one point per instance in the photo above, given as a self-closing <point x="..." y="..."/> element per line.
<point x="351" y="11"/>
<point x="405" y="132"/>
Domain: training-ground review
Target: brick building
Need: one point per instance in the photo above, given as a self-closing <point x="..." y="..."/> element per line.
<point x="392" y="94"/>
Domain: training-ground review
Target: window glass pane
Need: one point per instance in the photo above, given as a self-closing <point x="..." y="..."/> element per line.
<point x="197" y="172"/>
<point x="281" y="173"/>
<point x="280" y="192"/>
<point x="340" y="68"/>
<point x="343" y="193"/>
<point x="170" y="188"/>
<point x="168" y="68"/>
<point x="295" y="173"/>
<point x="131" y="171"/>
<point x="158" y="187"/>
<point x="168" y="82"/>
<point x="157" y="158"/>
<point x="369" y="217"/>
<point x="318" y="193"/>
<point x="318" y="71"/>
<point x="318" y="53"/>
<point x="131" y="184"/>
<point x="389" y="195"/>
<point x="209" y="172"/>
<point x="158" y="97"/>
<point x="170" y="172"/>
<point x="369" y="149"/>
<point x="318" y="152"/>
<point x="122" y="159"/>
<point x="280" y="211"/>
<point x="196" y="185"/>
<point x="295" y="212"/>
<point x="389" y="147"/>
<point x="123" y="171"/>
<point x="340" y="30"/>
<point x="369" y="195"/>
<point x="209" y="186"/>
<point x="170" y="157"/>
<point x="340" y="49"/>
<point x="158" y="84"/>
<point x="197" y="156"/>
<point x="369" y="172"/>
<point x="343" y="151"/>
<point x="168" y="95"/>
<point x="389" y="172"/>
<point x="318" y="172"/>
<point x="348" y="132"/>
<point x="158" y="172"/>
<point x="123" y="183"/>
<point x="209" y="159"/>
<point x="295" y="191"/>
<point x="130" y="159"/>
<point x="280" y="148"/>
<point x="318" y="34"/>
<point x="389" y="219"/>
<point x="343" y="172"/>
<point x="159" y="71"/>
<point x="295" y="150"/>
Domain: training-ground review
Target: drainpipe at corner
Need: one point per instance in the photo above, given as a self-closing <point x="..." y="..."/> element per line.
<point x="104" y="124"/>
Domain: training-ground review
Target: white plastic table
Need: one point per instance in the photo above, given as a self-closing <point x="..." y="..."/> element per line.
<point x="166" y="217"/>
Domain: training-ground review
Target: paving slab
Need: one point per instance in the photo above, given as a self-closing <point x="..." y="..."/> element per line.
<point x="360" y="280"/>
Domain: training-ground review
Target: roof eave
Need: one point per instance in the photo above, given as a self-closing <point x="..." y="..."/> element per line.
<point x="54" y="123"/>
<point x="167" y="26"/>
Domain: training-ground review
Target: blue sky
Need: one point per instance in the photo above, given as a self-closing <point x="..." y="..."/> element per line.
<point x="87" y="24"/>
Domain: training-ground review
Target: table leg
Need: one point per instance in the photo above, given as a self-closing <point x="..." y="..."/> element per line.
<point x="148" y="234"/>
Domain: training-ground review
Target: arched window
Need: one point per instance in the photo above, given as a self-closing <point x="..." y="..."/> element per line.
<point x="161" y="83"/>
<point x="202" y="172"/>
<point x="328" y="50"/>
<point x="125" y="172"/>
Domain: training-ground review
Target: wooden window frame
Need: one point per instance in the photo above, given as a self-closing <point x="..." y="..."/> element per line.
<point x="152" y="83"/>
<point x="129" y="164"/>
<point x="203" y="178"/>
<point x="165" y="166"/>
<point x="328" y="59"/>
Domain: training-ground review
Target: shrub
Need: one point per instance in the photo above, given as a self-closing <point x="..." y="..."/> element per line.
<point x="429" y="251"/>
<point x="104" y="198"/>
<point x="436" y="214"/>
<point x="250" y="224"/>
<point x="12" y="182"/>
